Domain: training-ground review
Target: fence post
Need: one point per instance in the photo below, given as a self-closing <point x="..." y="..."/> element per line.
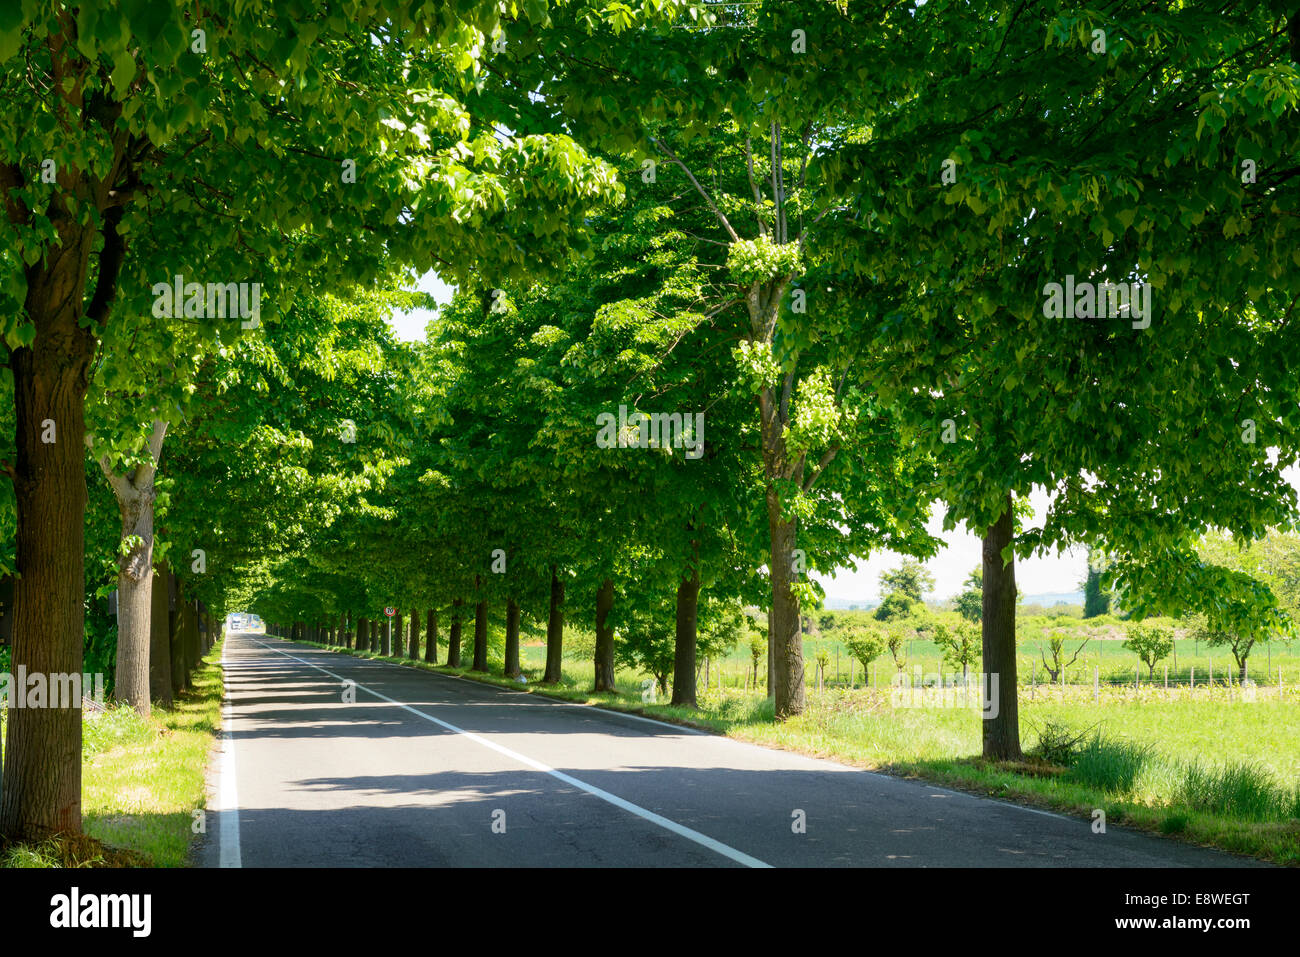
<point x="1192" y="687"/>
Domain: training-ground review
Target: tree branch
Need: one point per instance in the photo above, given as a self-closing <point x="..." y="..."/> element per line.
<point x="821" y="467"/>
<point x="758" y="195"/>
<point x="663" y="148"/>
<point x="110" y="267"/>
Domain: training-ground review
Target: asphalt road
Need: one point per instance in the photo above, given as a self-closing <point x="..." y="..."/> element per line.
<point x="410" y="768"/>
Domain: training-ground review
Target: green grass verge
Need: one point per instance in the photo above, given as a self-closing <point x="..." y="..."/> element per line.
<point x="142" y="781"/>
<point x="1201" y="768"/>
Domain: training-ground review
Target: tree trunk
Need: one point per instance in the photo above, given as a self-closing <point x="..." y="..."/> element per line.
<point x="480" y="636"/>
<point x="688" y="603"/>
<point x="431" y="637"/>
<point x="512" y="639"/>
<point x="194" y="650"/>
<point x="453" y="639"/>
<point x="374" y="635"/>
<point x="1001" y="729"/>
<point x="771" y="665"/>
<point x="413" y="650"/>
<point x="134" y="596"/>
<point x="363" y="631"/>
<point x="605" y="637"/>
<point x="42" y="779"/>
<point x="160" y="660"/>
<point x="784" y="637"/>
<point x="555" y="631"/>
<point x="184" y="623"/>
<point x="189" y="639"/>
<point x="176" y="632"/>
<point x="785" y="641"/>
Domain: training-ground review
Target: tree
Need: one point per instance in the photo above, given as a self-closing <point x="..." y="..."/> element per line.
<point x="910" y="580"/>
<point x="896" y="642"/>
<point x="1096" y="600"/>
<point x="969" y="602"/>
<point x="1056" y="645"/>
<point x="1151" y="643"/>
<point x="866" y="645"/>
<point x="896" y="605"/>
<point x="959" y="646"/>
<point x="757" y="652"/>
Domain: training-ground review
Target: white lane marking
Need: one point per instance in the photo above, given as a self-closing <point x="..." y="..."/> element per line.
<point x="681" y="830"/>
<point x="228" y="793"/>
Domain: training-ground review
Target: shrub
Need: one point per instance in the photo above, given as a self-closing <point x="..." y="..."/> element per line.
<point x="1110" y="765"/>
<point x="1057" y="744"/>
<point x="1239" y="789"/>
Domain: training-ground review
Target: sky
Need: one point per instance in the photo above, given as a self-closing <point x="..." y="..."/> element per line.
<point x="1046" y="574"/>
<point x="409" y="326"/>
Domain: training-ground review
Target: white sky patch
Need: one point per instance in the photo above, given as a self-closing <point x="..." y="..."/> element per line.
<point x="409" y="326"/>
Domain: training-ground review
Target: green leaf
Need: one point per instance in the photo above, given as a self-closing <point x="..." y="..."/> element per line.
<point x="123" y="72"/>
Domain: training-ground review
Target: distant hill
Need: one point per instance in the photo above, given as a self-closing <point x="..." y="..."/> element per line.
<point x="844" y="604"/>
<point x="1046" y="599"/>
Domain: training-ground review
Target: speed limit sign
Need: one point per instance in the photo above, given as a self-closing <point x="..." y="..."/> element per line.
<point x="390" y="612"/>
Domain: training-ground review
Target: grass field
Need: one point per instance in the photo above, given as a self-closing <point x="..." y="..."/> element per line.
<point x="1114" y="663"/>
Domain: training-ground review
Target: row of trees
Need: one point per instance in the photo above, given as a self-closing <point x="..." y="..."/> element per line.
<point x="251" y="156"/>
<point x="837" y="260"/>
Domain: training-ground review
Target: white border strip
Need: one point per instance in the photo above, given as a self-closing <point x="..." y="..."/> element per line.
<point x="703" y="840"/>
<point x="228" y="792"/>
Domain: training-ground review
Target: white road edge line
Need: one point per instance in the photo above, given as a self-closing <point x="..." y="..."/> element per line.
<point x="228" y="792"/>
<point x="681" y="830"/>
